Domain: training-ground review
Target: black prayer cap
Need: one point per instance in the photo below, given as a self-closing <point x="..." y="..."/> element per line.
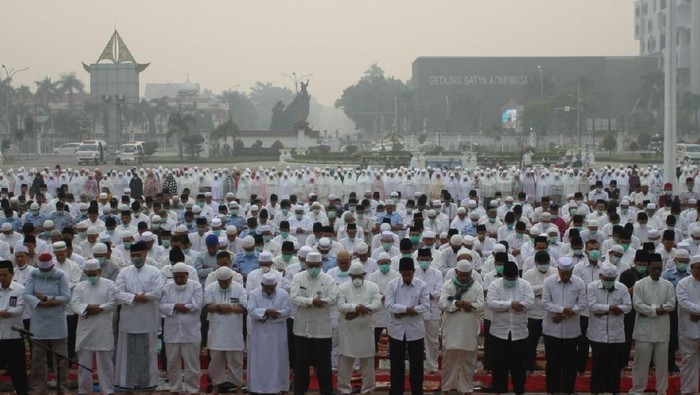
<point x="406" y="264"/>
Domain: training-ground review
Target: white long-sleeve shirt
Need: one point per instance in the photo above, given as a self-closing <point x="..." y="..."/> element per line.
<point x="136" y="317"/>
<point x="647" y="296"/>
<point x="604" y="326"/>
<point x="433" y="280"/>
<point x="688" y="295"/>
<point x="399" y="297"/>
<point x="225" y="330"/>
<point x="380" y="319"/>
<point x="536" y="279"/>
<point x="182" y="327"/>
<point x="95" y="332"/>
<point x="557" y="295"/>
<point x="311" y="321"/>
<point x="12" y="301"/>
<point x="504" y="319"/>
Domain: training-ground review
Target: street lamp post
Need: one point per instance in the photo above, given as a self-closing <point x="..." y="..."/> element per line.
<point x="539" y="68"/>
<point x="296" y="79"/>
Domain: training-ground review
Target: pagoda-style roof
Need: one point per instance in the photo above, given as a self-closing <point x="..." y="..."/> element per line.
<point x="117" y="51"/>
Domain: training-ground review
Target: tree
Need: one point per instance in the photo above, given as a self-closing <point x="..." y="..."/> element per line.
<point x="371" y="99"/>
<point x="180" y="126"/>
<point x="24" y="94"/>
<point x="193" y="144"/>
<point x="70" y="84"/>
<point x="634" y="146"/>
<point x="241" y="108"/>
<point x="276" y="146"/>
<point x="644" y="139"/>
<point x="226" y="130"/>
<point x="609" y="143"/>
<point x="537" y="115"/>
<point x="264" y="96"/>
<point x="46" y="92"/>
<point x="150" y="148"/>
<point x="257" y="145"/>
<point x="238" y="145"/>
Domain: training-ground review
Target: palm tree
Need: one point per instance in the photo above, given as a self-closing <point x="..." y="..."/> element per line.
<point x="46" y="92"/>
<point x="226" y="130"/>
<point x="69" y="83"/>
<point x="24" y="94"/>
<point x="180" y="125"/>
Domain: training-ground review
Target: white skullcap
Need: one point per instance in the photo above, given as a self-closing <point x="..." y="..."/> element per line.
<point x="91" y="264"/>
<point x="694" y="259"/>
<point x="313" y="257"/>
<point x="325" y="242"/>
<point x="625" y="203"/>
<point x="21" y="248"/>
<point x="362" y="248"/>
<point x="565" y="263"/>
<point x="223" y="241"/>
<point x="148" y="236"/>
<point x="248" y="242"/>
<point x="456" y="240"/>
<point x="6" y="227"/>
<point x="696" y="231"/>
<point x="429" y="234"/>
<point x="224" y="273"/>
<point x="461" y="210"/>
<point x="231" y="230"/>
<point x="93" y="231"/>
<point x="545" y="216"/>
<point x="59" y="246"/>
<point x="181" y="229"/>
<point x="471" y="203"/>
<point x="155" y="218"/>
<point x="99" y="248"/>
<point x="651" y="206"/>
<point x="357" y="268"/>
<point x="265" y="256"/>
<point x="443" y="235"/>
<point x="464" y="266"/>
<point x="593" y="222"/>
<point x="498" y="247"/>
<point x="474" y="215"/>
<point x="34" y="206"/>
<point x="384" y="228"/>
<point x="431" y="213"/>
<point x="180" y="267"/>
<point x="468" y="240"/>
<point x="216" y="222"/>
<point x="196" y="209"/>
<point x="303" y="251"/>
<point x="269" y="279"/>
<point x="127" y="190"/>
<point x="265" y="228"/>
<point x="608" y="270"/>
<point x="617" y="248"/>
<point x="387" y="235"/>
<point x="254" y="207"/>
<point x="653" y="234"/>
<point x="681" y="253"/>
<point x="48" y="224"/>
<point x="383" y="256"/>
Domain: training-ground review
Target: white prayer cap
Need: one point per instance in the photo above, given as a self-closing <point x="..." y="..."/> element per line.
<point x="223" y="241"/>
<point x="207" y="194"/>
<point x="468" y="240"/>
<point x="608" y="270"/>
<point x="34" y="206"/>
<point x="216" y="222"/>
<point x="498" y="247"/>
<point x="464" y="266"/>
<point x="509" y="199"/>
<point x="625" y="203"/>
<point x="313" y="257"/>
<point x="594" y="223"/>
<point x="325" y="242"/>
<point x="148" y="236"/>
<point x="681" y="253"/>
<point x="431" y="213"/>
<point x="617" y="248"/>
<point x="474" y="215"/>
<point x="224" y="273"/>
<point x="694" y="260"/>
<point x="21" y="248"/>
<point x="303" y="251"/>
<point x="387" y="235"/>
<point x="196" y="209"/>
<point x="269" y="279"/>
<point x="180" y="267"/>
<point x="362" y="248"/>
<point x="383" y="256"/>
<point x="443" y="235"/>
<point x="545" y="216"/>
<point x="92" y="230"/>
<point x="265" y="228"/>
<point x="127" y="190"/>
<point x="384" y="227"/>
<point x="651" y="206"/>
<point x="230" y="195"/>
<point x="107" y="210"/>
<point x="231" y="230"/>
<point x="103" y="195"/>
<point x="98" y="248"/>
<point x="456" y="240"/>
<point x="48" y="224"/>
<point x="461" y="210"/>
<point x="181" y="229"/>
<point x="436" y="203"/>
<point x="45" y="261"/>
<point x="696" y="231"/>
<point x="357" y="268"/>
<point x="265" y="256"/>
<point x="683" y="245"/>
<point x="653" y="234"/>
<point x="81" y="225"/>
<point x="248" y="242"/>
<point x="6" y="227"/>
<point x="91" y="264"/>
<point x="471" y="203"/>
<point x="429" y="234"/>
<point x="566" y="264"/>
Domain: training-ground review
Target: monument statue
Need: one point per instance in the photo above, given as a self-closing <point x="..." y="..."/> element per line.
<point x="295" y="114"/>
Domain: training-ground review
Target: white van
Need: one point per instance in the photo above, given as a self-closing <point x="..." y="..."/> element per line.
<point x="92" y="152"/>
<point x="131" y="153"/>
<point x="686" y="152"/>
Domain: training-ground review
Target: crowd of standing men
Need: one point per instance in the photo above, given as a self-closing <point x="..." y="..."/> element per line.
<point x="272" y="280"/>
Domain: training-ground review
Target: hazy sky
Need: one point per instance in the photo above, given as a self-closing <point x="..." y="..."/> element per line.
<point x="224" y="44"/>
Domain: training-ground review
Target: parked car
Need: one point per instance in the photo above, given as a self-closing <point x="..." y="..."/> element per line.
<point x="66" y="149"/>
<point x="91" y="152"/>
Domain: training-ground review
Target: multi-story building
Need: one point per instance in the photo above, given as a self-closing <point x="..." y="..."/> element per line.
<point x="650" y="29"/>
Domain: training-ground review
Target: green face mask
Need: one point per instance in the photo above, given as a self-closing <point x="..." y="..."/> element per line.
<point x="387" y="246"/>
<point x="267" y="238"/>
<point x="415" y="239"/>
<point x="166" y="243"/>
<point x="578" y="252"/>
<point x="284" y="234"/>
<point x="287" y="257"/>
<point x="509" y="226"/>
<point x="594" y="255"/>
<point x="343" y="274"/>
<point x="127" y="245"/>
<point x="102" y="260"/>
<point x="682" y="267"/>
<point x="93" y="279"/>
<point x="331" y="214"/>
<point x="509" y="283"/>
<point x="608" y="284"/>
<point x="314" y="271"/>
<point x="409" y="255"/>
<point x="499" y="269"/>
<point x="625" y="246"/>
<point x="258" y="248"/>
<point x="284" y="212"/>
<point x="424" y="265"/>
<point x="641" y="269"/>
<point x="384" y="268"/>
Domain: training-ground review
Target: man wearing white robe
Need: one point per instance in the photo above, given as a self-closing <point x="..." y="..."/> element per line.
<point x="268" y="309"/>
<point x="225" y="300"/>
<point x="139" y="288"/>
<point x="688" y="295"/>
<point x="357" y="301"/>
<point x="181" y="305"/>
<point x="461" y="301"/>
<point x="94" y="300"/>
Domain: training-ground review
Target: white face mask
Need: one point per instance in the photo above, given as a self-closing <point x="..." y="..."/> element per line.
<point x="265" y="269"/>
<point x="614" y="259"/>
<point x="357" y="282"/>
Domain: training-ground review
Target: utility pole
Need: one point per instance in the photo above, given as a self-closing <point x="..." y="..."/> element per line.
<point x="578" y="114"/>
<point x="670" y="98"/>
<point x="539" y="68"/>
